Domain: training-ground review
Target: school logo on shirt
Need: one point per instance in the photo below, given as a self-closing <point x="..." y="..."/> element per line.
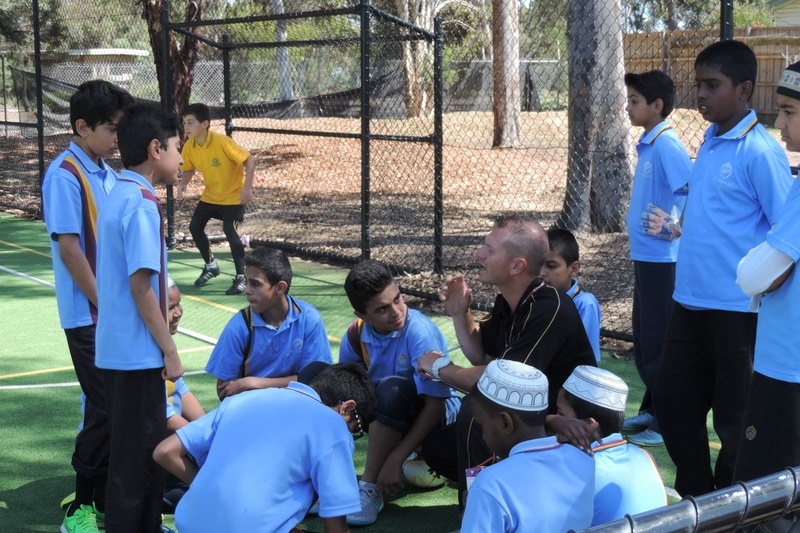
<point x="402" y="360"/>
<point x="725" y="172"/>
<point x="297" y="345"/>
<point x="215" y="162"/>
<point x="648" y="169"/>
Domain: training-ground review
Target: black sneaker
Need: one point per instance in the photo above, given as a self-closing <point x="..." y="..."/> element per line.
<point x="237" y="287"/>
<point x="208" y="273"/>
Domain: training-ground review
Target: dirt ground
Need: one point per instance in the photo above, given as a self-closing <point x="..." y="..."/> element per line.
<point x="308" y="194"/>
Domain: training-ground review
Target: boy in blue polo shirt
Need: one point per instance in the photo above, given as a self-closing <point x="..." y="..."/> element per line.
<point x="662" y="172"/>
<point x="74" y="189"/>
<point x="389" y="338"/>
<point x="268" y="343"/>
<point x="561" y="272"/>
<point x="771" y="426"/>
<point x="539" y="484"/>
<point x="134" y="344"/>
<point x="627" y="480"/>
<point x="737" y="189"/>
<point x="256" y="462"/>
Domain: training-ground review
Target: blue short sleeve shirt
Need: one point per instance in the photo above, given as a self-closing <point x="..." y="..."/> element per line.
<point x="263" y="454"/>
<point x="175" y="394"/>
<point x="299" y="340"/>
<point x="539" y="475"/>
<point x="627" y="480"/>
<point x="74" y="189"/>
<point x="130" y="239"/>
<point x="776" y="352"/>
<point x="737" y="189"/>
<point x="397" y="353"/>
<point x="661" y="175"/>
<point x="589" y="309"/>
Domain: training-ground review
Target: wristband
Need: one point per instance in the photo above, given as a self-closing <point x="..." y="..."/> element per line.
<point x="439" y="364"/>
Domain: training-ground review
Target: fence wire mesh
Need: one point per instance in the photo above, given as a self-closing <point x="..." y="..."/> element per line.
<point x="533" y="122"/>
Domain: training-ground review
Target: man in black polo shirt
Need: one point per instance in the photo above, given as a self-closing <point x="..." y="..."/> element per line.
<point x="530" y="322"/>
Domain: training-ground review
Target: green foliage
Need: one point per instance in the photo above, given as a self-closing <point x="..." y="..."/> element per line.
<point x="16" y="24"/>
<point x="752" y="13"/>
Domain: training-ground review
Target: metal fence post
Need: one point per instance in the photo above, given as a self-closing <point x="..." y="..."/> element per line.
<point x="438" y="194"/>
<point x="166" y="104"/>
<point x="365" y="14"/>
<point x="37" y="66"/>
<point x="726" y="20"/>
<point x="226" y="82"/>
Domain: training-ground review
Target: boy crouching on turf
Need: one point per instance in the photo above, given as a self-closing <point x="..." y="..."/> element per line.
<point x="539" y="484"/>
<point x="134" y="344"/>
<point x="268" y="343"/>
<point x="388" y="339"/>
<point x="255" y="462"/>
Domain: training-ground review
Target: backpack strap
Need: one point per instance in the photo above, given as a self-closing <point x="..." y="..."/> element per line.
<point x="248" y="346"/>
<point x="354" y="338"/>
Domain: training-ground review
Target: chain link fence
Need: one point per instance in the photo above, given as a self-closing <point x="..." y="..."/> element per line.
<point x="533" y="118"/>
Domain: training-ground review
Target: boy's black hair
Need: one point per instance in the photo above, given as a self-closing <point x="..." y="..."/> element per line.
<point x="734" y="59"/>
<point x="563" y="242"/>
<point x="365" y="281"/>
<point x="610" y="421"/>
<point x="654" y="85"/>
<point x="347" y="381"/>
<point x="138" y="127"/>
<point x="525" y="240"/>
<point x="199" y="111"/>
<point x="529" y="418"/>
<point x="96" y="102"/>
<point x="273" y="263"/>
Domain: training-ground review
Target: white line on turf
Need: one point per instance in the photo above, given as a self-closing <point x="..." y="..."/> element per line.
<point x="72" y="383"/>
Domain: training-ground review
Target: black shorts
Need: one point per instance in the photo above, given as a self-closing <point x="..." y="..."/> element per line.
<point x="225" y="213"/>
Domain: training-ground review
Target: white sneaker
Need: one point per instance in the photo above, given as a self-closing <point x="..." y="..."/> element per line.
<point x="371" y="505"/>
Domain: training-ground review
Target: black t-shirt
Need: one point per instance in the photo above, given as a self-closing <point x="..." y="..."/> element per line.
<point x="544" y="331"/>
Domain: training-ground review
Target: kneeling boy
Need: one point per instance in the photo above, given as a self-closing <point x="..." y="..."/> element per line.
<point x="510" y="403"/>
<point x="255" y="463"/>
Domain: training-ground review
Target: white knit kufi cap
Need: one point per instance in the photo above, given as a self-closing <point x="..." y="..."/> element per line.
<point x="598" y="386"/>
<point x="514" y="385"/>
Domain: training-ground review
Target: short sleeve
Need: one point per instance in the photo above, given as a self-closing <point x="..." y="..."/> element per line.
<point x="228" y="355"/>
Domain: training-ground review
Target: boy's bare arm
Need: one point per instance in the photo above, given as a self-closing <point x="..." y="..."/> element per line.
<point x="186" y="177"/>
<point x="390" y="477"/>
<point x="235" y="386"/>
<point x="171" y="454"/>
<point x="69" y="247"/>
<point x="190" y="407"/>
<point x="150" y="311"/>
<point x="249" y="173"/>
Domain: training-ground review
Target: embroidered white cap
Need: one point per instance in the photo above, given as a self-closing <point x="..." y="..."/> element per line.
<point x="514" y="385"/>
<point x="598" y="386"/>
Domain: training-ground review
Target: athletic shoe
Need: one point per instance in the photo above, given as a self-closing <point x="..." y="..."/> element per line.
<point x="371" y="505"/>
<point x="648" y="437"/>
<point x="237" y="287"/>
<point x="639" y="422"/>
<point x="83" y="520"/>
<point x="165" y="529"/>
<point x="208" y="273"/>
<point x="418" y="473"/>
<point x="67" y="500"/>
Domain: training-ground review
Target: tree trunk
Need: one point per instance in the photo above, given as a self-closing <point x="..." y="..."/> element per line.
<point x="506" y="95"/>
<point x="285" y="88"/>
<point x="181" y="58"/>
<point x="599" y="160"/>
<point x="417" y="56"/>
